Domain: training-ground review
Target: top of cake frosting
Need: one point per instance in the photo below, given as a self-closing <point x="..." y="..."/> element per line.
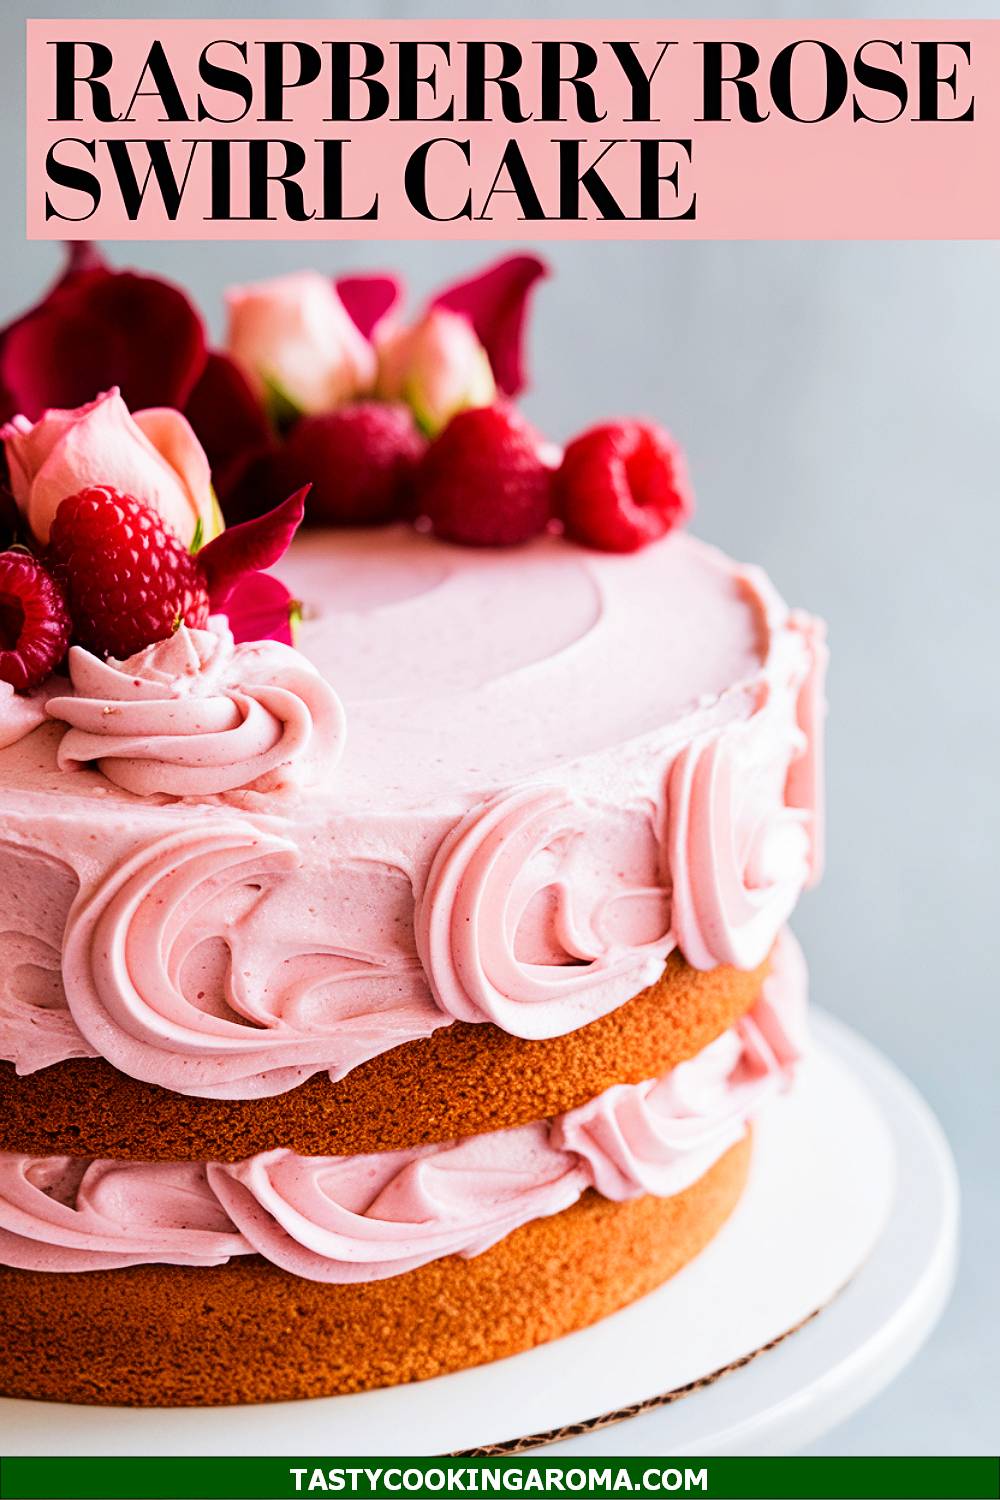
<point x="460" y="671"/>
<point x="464" y="670"/>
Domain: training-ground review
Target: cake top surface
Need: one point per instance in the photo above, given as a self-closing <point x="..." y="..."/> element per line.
<point x="463" y="670"/>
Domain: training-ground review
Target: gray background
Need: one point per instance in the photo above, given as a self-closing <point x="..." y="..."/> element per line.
<point x="840" y="404"/>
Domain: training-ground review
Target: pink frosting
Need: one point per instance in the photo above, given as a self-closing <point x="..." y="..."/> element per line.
<point x="561" y="765"/>
<point x="20" y="713"/>
<point x="195" y="715"/>
<point x="739" y="839"/>
<point x="39" y="892"/>
<point x="607" y="914"/>
<point x="64" y="1213"/>
<point x="364" y="1218"/>
<point x="660" y="1137"/>
<point x="805" y="787"/>
<point x="740" y="850"/>
<point x="203" y="967"/>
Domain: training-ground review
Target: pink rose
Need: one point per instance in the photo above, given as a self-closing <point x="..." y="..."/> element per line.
<point x="437" y="365"/>
<point x="296" y="342"/>
<point x="152" y="455"/>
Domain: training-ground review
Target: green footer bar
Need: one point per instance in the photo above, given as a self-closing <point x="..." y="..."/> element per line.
<point x="157" y="1478"/>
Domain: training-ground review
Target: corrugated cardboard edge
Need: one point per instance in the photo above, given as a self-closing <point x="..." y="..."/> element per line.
<point x="611" y="1418"/>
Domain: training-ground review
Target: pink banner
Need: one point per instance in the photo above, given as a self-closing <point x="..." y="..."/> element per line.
<point x="230" y="129"/>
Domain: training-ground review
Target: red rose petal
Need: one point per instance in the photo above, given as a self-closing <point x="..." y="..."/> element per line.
<point x="249" y="547"/>
<point x="368" y="298"/>
<point x="99" y="328"/>
<point x="260" y="609"/>
<point x="495" y="301"/>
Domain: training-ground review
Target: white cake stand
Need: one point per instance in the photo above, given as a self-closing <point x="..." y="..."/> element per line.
<point x="851" y="1213"/>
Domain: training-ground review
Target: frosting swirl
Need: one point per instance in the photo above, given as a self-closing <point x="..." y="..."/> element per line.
<point x="196" y="715"/>
<point x="205" y="963"/>
<point x="607" y="815"/>
<point x="804" y="788"/>
<point x="738" y="854"/>
<point x="342" y="1219"/>
<point x="661" y="1136"/>
<point x="364" y="1218"/>
<point x="63" y="1213"/>
<point x="36" y="1029"/>
<point x="606" y="933"/>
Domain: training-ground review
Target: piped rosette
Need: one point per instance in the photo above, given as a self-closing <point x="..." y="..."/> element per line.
<point x="211" y="965"/>
<point x="365" y="1218"/>
<point x="197" y="715"/>
<point x="542" y="912"/>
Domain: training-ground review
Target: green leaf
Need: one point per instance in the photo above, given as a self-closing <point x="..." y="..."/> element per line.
<point x="281" y="409"/>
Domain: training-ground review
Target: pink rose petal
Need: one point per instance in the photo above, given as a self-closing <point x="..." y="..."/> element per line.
<point x="153" y="455"/>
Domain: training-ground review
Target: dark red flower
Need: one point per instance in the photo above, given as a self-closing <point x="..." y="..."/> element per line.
<point x="230" y="422"/>
<point x="96" y="328"/>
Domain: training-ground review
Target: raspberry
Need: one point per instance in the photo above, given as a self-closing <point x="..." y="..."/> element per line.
<point x="34" y="621"/>
<point x="621" y="486"/>
<point x="482" y="482"/>
<point x="359" y="460"/>
<point x="128" y="580"/>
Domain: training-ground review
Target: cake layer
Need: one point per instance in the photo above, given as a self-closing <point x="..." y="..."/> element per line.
<point x="249" y="1331"/>
<point x="548" y="769"/>
<point x="365" y="1218"/>
<point x="462" y="1080"/>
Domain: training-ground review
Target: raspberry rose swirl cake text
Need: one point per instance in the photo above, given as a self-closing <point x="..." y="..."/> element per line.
<point x="195" y="715"/>
<point x="365" y="1218"/>
<point x="185" y="968"/>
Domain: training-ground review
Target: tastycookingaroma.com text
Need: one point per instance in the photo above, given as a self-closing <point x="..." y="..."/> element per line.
<point x="497" y="1478"/>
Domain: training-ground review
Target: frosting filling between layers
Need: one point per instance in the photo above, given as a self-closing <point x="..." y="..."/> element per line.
<point x="551" y="769"/>
<point x="363" y="1218"/>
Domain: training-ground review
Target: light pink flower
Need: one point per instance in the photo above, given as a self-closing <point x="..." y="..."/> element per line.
<point x="152" y="455"/>
<point x="437" y="365"/>
<point x="297" y="343"/>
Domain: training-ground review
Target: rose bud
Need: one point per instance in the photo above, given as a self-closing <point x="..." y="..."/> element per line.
<point x="152" y="455"/>
<point x="438" y="366"/>
<point x="298" y="345"/>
